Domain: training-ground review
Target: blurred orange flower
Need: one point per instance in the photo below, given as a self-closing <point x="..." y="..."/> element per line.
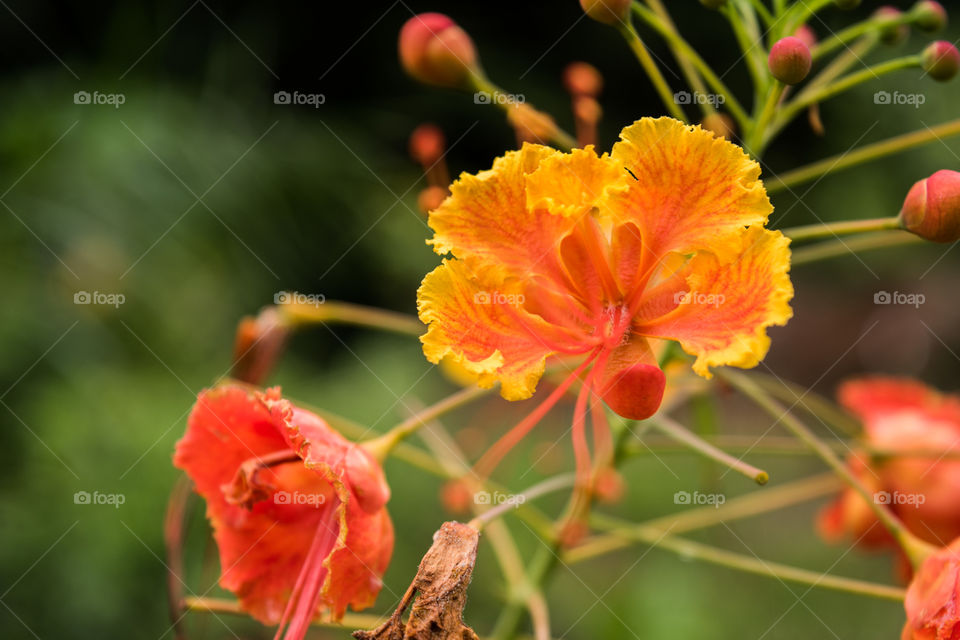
<point x="298" y="512"/>
<point x="933" y="597"/>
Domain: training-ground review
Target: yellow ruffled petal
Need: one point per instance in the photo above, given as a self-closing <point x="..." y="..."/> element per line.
<point x="723" y="317"/>
<point x="478" y="322"/>
<point x="688" y="187"/>
<point x="569" y="184"/>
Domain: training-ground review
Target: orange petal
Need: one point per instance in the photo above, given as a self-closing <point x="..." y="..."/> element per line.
<point x="875" y="397"/>
<point x="723" y="317"/>
<point x="690" y="186"/>
<point x="569" y="184"/>
<point x="487" y="217"/>
<point x="480" y="322"/>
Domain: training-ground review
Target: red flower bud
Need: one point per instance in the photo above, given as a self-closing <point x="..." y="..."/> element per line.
<point x="582" y="79"/>
<point x="790" y="60"/>
<point x="941" y="60"/>
<point x="933" y="597"/>
<point x="932" y="207"/>
<point x="434" y="50"/>
<point x="427" y="144"/>
<point x="929" y="15"/>
<point x="893" y="33"/>
<point x="806" y="35"/>
<point x="606" y="11"/>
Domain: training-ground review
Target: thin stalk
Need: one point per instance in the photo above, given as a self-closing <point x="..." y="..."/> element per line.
<point x="562" y="481"/>
<point x="765" y="115"/>
<point x="689" y="71"/>
<point x="866" y="242"/>
<point x="864" y="154"/>
<point x="870" y="25"/>
<point x="650" y="67"/>
<point x="711" y="78"/>
<point x="704" y="448"/>
<point x="749" y="40"/>
<point x="297" y="314"/>
<point x="834" y="229"/>
<point x="810" y="401"/>
<point x="223" y="605"/>
<point x="915" y="548"/>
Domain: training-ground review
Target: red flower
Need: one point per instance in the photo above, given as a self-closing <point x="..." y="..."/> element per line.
<point x="297" y="510"/>
<point x="901" y="416"/>
<point x="933" y="610"/>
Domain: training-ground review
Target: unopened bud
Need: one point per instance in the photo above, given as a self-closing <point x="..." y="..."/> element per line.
<point x="434" y="50"/>
<point x="427" y="144"/>
<point x="806" y="35"/>
<point x="720" y="125"/>
<point x="582" y="79"/>
<point x="941" y="60"/>
<point x="895" y="32"/>
<point x="431" y="198"/>
<point x="790" y="60"/>
<point x="931" y="209"/>
<point x="606" y="11"/>
<point x="257" y="346"/>
<point x="929" y="15"/>
<point x="531" y="125"/>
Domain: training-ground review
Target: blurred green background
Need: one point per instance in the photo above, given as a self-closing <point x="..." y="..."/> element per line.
<point x="198" y="198"/>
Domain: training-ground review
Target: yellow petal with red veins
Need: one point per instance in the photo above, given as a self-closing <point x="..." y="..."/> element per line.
<point x="569" y="184"/>
<point x="486" y="217"/>
<point x="689" y="188"/>
<point x="479" y="321"/>
<point x="730" y="303"/>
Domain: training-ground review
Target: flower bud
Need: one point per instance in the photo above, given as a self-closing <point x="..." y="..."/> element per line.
<point x="790" y="60"/>
<point x="720" y="125"/>
<point x="941" y="60"/>
<point x="931" y="209"/>
<point x="929" y="15"/>
<point x="431" y="198"/>
<point x="531" y="125"/>
<point x="806" y="35"/>
<point x="427" y="144"/>
<point x="606" y="11"/>
<point x="434" y="50"/>
<point x="636" y="391"/>
<point x="582" y="79"/>
<point x="891" y="34"/>
<point x="933" y="597"/>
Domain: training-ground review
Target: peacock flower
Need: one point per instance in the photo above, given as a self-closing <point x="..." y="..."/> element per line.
<point x="901" y="416"/>
<point x="933" y="597"/>
<point x="298" y="512"/>
<point x="592" y="259"/>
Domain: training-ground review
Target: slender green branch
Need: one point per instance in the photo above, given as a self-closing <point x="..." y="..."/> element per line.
<point x="653" y="72"/>
<point x="763" y="12"/>
<point x="834" y="229"/>
<point x="915" y="548"/>
<point x="686" y="67"/>
<point x="298" y="314"/>
<point x="748" y="37"/>
<point x="868" y="26"/>
<point x="864" y="154"/>
<point x="555" y="483"/>
<point x="754" y="140"/>
<point x="810" y="401"/>
<point x="730" y="100"/>
<point x="704" y="448"/>
<point x="850" y="246"/>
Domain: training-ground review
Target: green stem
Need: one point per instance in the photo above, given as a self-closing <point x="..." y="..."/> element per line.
<point x="296" y="314"/>
<point x="562" y="481"/>
<point x="509" y="619"/>
<point x="763" y="12"/>
<point x="792" y="108"/>
<point x="834" y="229"/>
<point x="871" y="25"/>
<point x="748" y="38"/>
<point x="704" y="448"/>
<point x="717" y="85"/>
<point x="840" y="247"/>
<point x="864" y="154"/>
<point x="754" y="140"/>
<point x="686" y="67"/>
<point x="915" y="548"/>
<point x="811" y="402"/>
<point x="801" y="12"/>
<point x="650" y="67"/>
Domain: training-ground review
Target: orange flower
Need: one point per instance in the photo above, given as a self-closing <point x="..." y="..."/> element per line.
<point x="297" y="511"/>
<point x="578" y="255"/>
<point x="901" y="415"/>
<point x="933" y="598"/>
